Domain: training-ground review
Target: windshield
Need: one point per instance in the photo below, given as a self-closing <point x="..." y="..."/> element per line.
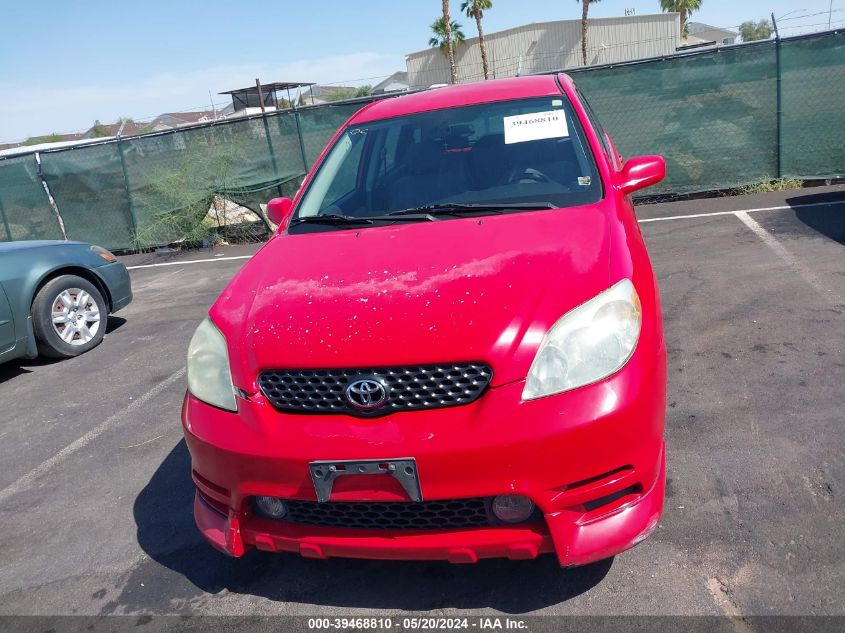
<point x="522" y="152"/>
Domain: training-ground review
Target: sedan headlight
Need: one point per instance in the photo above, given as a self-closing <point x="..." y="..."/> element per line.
<point x="587" y="344"/>
<point x="99" y="251"/>
<point x="209" y="376"/>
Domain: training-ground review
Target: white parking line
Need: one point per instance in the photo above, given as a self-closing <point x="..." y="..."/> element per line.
<point x="23" y="482"/>
<point x="715" y="213"/>
<point x="781" y="251"/>
<point x="693" y="215"/>
<point x="190" y="261"/>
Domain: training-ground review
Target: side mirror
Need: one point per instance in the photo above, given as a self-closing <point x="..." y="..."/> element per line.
<point x="279" y="211"/>
<point x="640" y="172"/>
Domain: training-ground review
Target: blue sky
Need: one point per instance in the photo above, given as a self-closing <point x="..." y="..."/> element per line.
<point x="64" y="63"/>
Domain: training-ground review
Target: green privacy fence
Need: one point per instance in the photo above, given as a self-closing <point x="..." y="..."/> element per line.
<point x="25" y="212"/>
<point x="732" y="116"/>
<point x="713" y="117"/>
<point x="722" y="118"/>
<point x="88" y="184"/>
<point x="813" y="106"/>
<point x="150" y="189"/>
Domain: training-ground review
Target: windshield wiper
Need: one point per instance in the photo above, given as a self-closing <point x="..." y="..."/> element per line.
<point x="331" y="218"/>
<point x="456" y="208"/>
<point x="428" y="213"/>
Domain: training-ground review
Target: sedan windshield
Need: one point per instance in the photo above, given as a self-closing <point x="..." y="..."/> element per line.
<point x="507" y="156"/>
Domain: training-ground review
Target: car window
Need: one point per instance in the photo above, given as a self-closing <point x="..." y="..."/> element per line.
<point x="390" y="148"/>
<point x="520" y="151"/>
<point x="597" y="126"/>
<point x="348" y="163"/>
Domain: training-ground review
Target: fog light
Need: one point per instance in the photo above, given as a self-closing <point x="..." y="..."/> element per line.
<point x="512" y="508"/>
<point x="272" y="507"/>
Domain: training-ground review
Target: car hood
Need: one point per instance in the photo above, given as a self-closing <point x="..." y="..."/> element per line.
<point x="473" y="289"/>
<point x="10" y="247"/>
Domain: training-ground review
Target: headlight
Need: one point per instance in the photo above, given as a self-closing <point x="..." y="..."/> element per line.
<point x="587" y="344"/>
<point x="209" y="376"/>
<point x="99" y="251"/>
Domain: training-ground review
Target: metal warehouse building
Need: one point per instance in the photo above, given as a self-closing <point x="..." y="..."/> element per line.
<point x="543" y="46"/>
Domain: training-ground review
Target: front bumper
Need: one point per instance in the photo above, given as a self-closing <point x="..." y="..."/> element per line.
<point x="592" y="460"/>
<point x="116" y="278"/>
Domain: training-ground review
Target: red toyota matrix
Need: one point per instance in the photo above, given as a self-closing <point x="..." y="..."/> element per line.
<point x="451" y="349"/>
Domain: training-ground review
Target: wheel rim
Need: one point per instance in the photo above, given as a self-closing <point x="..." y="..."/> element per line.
<point x="76" y="316"/>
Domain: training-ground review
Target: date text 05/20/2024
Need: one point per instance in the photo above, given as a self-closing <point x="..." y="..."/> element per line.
<point x="417" y="623"/>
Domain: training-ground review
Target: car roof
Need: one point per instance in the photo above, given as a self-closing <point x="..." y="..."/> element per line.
<point x="459" y="95"/>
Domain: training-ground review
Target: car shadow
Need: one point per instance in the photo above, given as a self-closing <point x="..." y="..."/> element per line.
<point x="114" y="323"/>
<point x="829" y="221"/>
<point x="167" y="534"/>
<point x="20" y="366"/>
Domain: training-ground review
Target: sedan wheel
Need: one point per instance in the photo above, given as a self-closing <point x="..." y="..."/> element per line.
<point x="68" y="315"/>
<point x="76" y="316"/>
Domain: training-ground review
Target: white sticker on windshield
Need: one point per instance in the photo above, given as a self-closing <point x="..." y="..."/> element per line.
<point x="533" y="127"/>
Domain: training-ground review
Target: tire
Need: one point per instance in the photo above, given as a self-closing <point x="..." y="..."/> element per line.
<point x="63" y="327"/>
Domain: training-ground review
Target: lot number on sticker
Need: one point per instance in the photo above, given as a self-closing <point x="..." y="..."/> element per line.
<point x="535" y="126"/>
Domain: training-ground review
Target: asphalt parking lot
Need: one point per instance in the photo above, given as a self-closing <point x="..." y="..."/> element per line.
<point x="95" y="489"/>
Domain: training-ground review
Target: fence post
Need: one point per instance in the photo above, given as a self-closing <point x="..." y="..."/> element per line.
<point x="778" y="114"/>
<point x="5" y="222"/>
<point x="133" y="221"/>
<point x="305" y="166"/>
<point x="50" y="199"/>
<point x="270" y="147"/>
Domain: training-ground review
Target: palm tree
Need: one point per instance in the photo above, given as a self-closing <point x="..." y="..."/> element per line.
<point x="585" y="8"/>
<point x="447" y="36"/>
<point x="438" y="40"/>
<point x="450" y="46"/>
<point x="684" y="7"/>
<point x="475" y="9"/>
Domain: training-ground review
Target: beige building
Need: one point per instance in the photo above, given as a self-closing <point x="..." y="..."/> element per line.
<point x="543" y="46"/>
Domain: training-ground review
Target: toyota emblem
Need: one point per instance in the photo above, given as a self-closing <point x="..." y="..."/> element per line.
<point x="366" y="394"/>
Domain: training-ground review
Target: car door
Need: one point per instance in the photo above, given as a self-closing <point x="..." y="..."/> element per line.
<point x="7" y="324"/>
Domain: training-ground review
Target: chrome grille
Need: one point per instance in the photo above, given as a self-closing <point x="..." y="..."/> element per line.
<point x="409" y="388"/>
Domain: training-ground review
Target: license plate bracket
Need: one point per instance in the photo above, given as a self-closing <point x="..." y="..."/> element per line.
<point x="404" y="470"/>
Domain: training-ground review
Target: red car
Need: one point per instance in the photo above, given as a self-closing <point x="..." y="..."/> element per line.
<point x="451" y="349"/>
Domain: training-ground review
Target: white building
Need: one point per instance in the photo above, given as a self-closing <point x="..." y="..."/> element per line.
<point x="701" y="34"/>
<point x="543" y="46"/>
<point x="397" y="82"/>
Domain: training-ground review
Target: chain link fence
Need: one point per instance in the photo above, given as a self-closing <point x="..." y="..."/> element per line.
<point x="712" y="116"/>
<point x="25" y="211"/>
<point x="722" y="118"/>
<point x="154" y="189"/>
<point x="730" y="117"/>
<point x="812" y="125"/>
